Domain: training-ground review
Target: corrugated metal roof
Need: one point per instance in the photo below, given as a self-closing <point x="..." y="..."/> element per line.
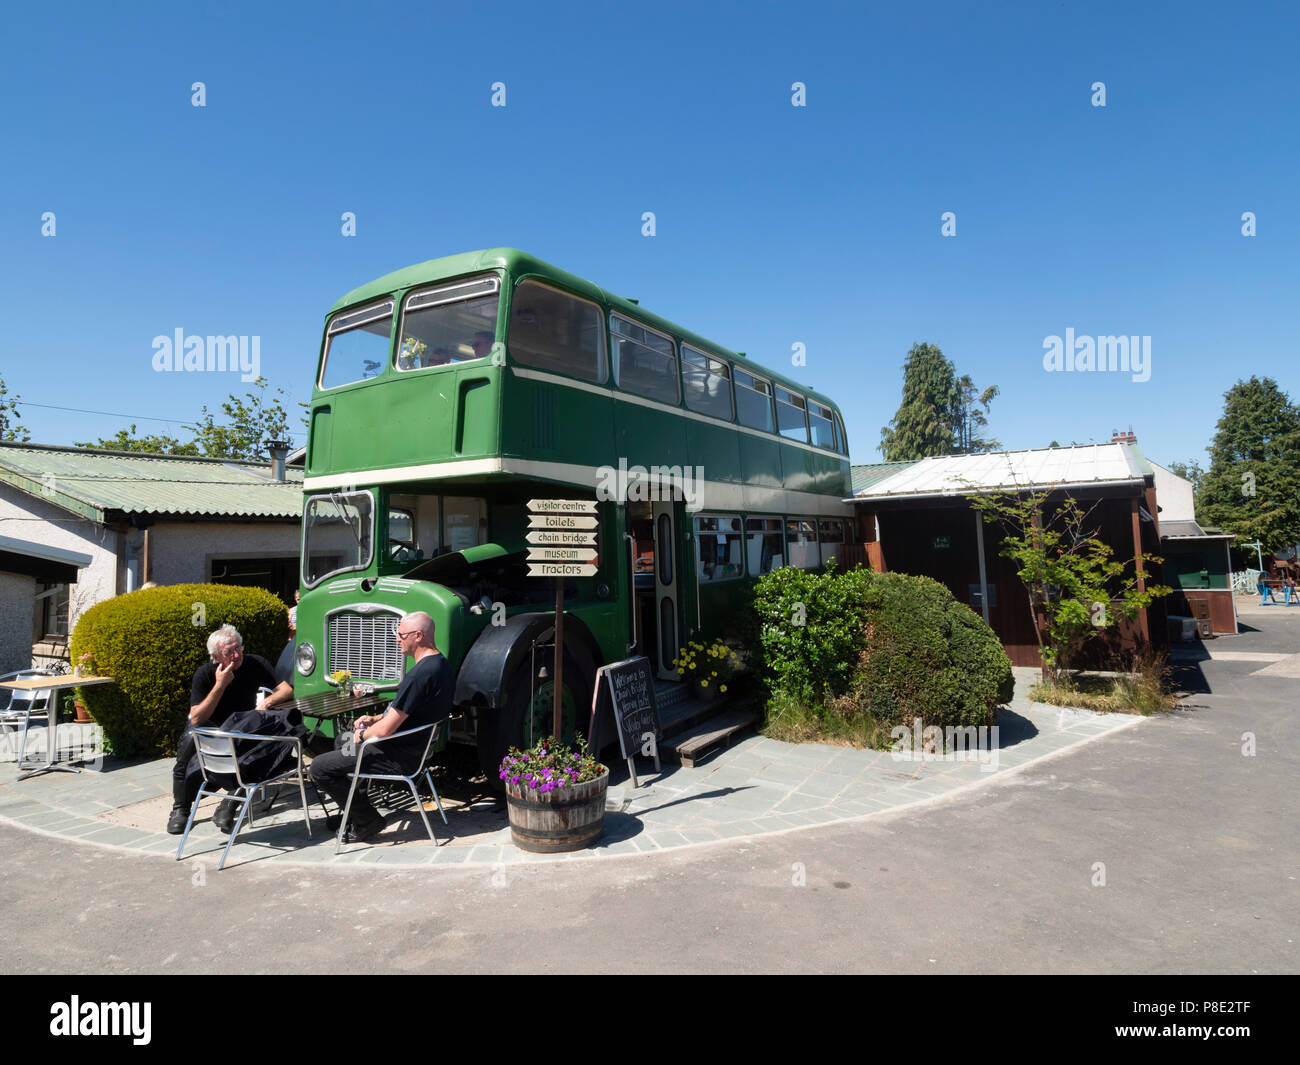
<point x="1190" y="530"/>
<point x="93" y="483"/>
<point x="1053" y="467"/>
<point x="869" y="473"/>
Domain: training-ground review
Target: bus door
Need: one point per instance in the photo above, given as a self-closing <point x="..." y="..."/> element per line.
<point x="668" y="518"/>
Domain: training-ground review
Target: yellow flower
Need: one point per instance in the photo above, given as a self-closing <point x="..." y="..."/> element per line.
<point x="704" y="684"/>
<point x="715" y="672"/>
<point x="723" y="688"/>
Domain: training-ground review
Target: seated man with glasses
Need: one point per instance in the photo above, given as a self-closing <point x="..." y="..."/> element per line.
<point x="224" y="686"/>
<point x="424" y="696"/>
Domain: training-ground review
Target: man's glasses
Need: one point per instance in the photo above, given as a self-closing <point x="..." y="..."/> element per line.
<point x="402" y="635"/>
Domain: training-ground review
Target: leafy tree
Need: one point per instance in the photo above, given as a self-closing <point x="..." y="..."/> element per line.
<point x="252" y="424"/>
<point x="1074" y="588"/>
<point x="253" y="420"/>
<point x="1190" y="471"/>
<point x="126" y="440"/>
<point x="9" y="416"/>
<point x="940" y="414"/>
<point x="1253" y="484"/>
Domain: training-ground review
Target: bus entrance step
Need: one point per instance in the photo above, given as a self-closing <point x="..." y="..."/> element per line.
<point x="692" y="746"/>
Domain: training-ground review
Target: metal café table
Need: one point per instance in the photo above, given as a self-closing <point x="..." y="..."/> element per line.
<point x="52" y="687"/>
<point x="326" y="706"/>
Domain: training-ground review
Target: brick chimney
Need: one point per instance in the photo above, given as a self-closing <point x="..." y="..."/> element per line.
<point x="1123" y="438"/>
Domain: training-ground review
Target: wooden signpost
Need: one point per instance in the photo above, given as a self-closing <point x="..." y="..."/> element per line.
<point x="562" y="542"/>
<point x="630" y="689"/>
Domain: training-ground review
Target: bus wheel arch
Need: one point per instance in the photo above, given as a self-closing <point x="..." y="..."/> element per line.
<point x="495" y="678"/>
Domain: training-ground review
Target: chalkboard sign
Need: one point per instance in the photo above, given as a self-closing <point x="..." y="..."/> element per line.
<point x="628" y="688"/>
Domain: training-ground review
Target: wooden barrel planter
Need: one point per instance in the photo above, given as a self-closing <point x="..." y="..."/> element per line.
<point x="566" y="819"/>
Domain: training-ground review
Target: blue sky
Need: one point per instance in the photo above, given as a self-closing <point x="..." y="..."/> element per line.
<point x="775" y="224"/>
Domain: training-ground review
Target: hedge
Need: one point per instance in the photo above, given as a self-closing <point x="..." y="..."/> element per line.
<point x="928" y="656"/>
<point x="152" y="641"/>
<point x="811" y="629"/>
<point x="890" y="647"/>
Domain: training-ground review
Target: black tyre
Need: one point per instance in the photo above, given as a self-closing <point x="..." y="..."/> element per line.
<point x="528" y="714"/>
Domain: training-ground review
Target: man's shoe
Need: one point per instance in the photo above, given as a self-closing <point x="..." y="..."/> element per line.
<point x="367" y="830"/>
<point x="224" y="818"/>
<point x="264" y="801"/>
<point x="357" y="833"/>
<point x="177" y="821"/>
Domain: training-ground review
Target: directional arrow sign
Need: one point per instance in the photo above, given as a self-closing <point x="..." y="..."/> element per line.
<point x="561" y="554"/>
<point x="560" y="569"/>
<point x="562" y="521"/>
<point x="561" y="537"/>
<point x="565" y="506"/>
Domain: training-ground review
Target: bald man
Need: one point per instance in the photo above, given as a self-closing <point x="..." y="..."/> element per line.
<point x="424" y="696"/>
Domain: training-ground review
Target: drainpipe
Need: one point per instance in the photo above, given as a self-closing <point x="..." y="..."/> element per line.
<point x="984" y="580"/>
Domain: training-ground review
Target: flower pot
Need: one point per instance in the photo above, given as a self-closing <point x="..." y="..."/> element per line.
<point x="566" y="819"/>
<point x="707" y="695"/>
<point x="83" y="715"/>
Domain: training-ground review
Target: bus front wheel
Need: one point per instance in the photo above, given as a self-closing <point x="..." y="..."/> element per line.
<point x="529" y="711"/>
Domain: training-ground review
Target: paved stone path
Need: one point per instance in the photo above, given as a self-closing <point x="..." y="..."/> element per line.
<point x="756" y="787"/>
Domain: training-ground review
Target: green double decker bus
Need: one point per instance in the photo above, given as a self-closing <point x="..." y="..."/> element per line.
<point x="451" y="393"/>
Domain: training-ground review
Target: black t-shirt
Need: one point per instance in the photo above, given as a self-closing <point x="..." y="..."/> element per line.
<point x="254" y="672"/>
<point x="424" y="696"/>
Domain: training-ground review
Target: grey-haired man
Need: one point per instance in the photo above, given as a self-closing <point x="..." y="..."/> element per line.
<point x="221" y="687"/>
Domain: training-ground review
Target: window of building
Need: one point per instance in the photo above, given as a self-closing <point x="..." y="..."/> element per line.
<point x="51" y="610"/>
<point x="764" y="545"/>
<point x="356" y="345"/>
<point x="707" y="383"/>
<point x="753" y="401"/>
<point x="717" y="548"/>
<point x="791" y="415"/>
<point x="645" y="362"/>
<point x="551" y="330"/>
<point x="450" y="323"/>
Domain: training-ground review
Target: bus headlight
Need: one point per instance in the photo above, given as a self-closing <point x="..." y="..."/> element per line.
<point x="306" y="656"/>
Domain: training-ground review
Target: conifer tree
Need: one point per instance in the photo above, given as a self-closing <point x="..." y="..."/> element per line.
<point x="1253" y="485"/>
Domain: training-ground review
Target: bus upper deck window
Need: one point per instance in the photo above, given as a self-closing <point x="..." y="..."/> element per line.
<point x="819" y="422"/>
<point x="753" y="401"/>
<point x="447" y="324"/>
<point x="792" y="417"/>
<point x="551" y="330"/>
<point x="645" y="363"/>
<point x="356" y="345"/>
<point x="707" y="383"/>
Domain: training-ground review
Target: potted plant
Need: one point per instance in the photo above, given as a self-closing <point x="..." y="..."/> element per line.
<point x="708" y="668"/>
<point x="555" y="796"/>
<point x="343" y="678"/>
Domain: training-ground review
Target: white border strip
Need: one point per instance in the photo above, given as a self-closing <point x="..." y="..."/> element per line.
<point x="717" y="495"/>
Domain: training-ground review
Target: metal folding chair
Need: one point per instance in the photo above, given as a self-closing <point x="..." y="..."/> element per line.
<point x="409" y="780"/>
<point x="18" y="708"/>
<point x="216" y="751"/>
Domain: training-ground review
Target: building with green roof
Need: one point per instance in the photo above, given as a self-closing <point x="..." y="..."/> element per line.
<point x="163" y="518"/>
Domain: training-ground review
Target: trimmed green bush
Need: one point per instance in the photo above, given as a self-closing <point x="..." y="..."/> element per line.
<point x="152" y="641"/>
<point x="928" y="656"/>
<point x="811" y="629"/>
<point x="874" y="651"/>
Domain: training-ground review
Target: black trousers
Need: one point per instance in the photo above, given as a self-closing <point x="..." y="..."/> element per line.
<point x="186" y="783"/>
<point x="329" y="771"/>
